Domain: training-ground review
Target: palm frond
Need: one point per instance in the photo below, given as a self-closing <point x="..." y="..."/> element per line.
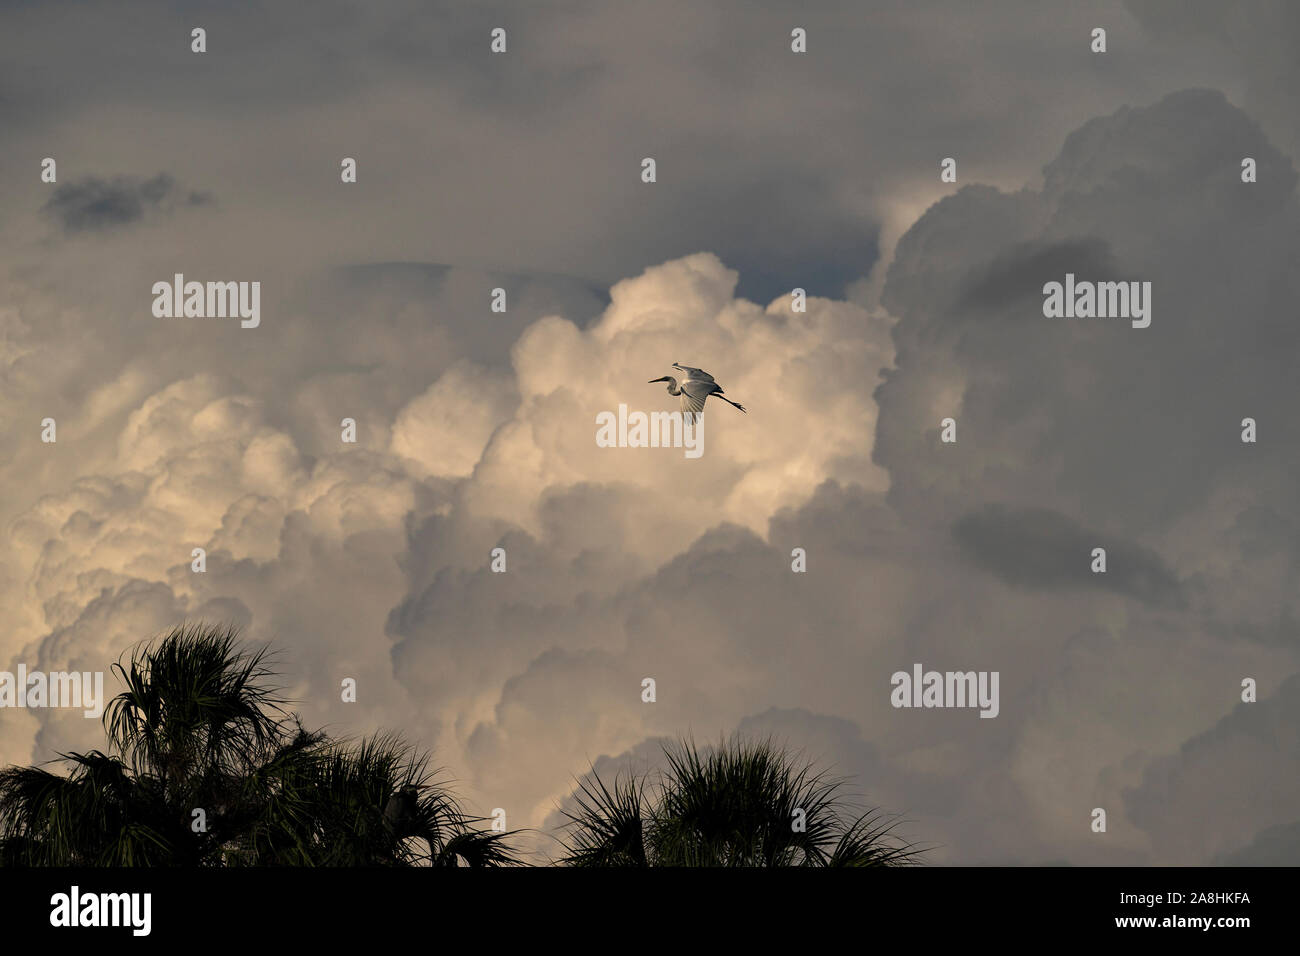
<point x="608" y="828"/>
<point x="200" y="732"/>
<point x="739" y="804"/>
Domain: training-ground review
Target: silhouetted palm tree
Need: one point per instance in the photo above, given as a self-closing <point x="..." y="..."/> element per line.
<point x="736" y="805"/>
<point x="200" y="728"/>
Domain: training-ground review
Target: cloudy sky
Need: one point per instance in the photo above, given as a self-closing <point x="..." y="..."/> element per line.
<point x="475" y="429"/>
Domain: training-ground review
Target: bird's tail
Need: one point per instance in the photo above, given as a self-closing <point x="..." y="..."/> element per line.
<point x="730" y="402"/>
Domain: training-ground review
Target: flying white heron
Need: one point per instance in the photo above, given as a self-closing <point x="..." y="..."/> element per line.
<point x="694" y="389"/>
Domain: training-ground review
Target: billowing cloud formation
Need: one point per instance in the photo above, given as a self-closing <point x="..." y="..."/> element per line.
<point x="1089" y="694"/>
<point x="1112" y="436"/>
<point x="482" y="457"/>
<point x="1245" y="771"/>
<point x="476" y="428"/>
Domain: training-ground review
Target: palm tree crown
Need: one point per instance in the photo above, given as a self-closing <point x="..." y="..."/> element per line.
<point x="739" y="804"/>
<point x="205" y="767"/>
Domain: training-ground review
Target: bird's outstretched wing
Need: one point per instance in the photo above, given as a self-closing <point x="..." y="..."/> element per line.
<point x="695" y="373"/>
<point x="694" y="394"/>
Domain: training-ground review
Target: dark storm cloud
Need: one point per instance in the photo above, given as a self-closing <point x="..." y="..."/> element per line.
<point x="1037" y="548"/>
<point x="1257" y="41"/>
<point x="93" y="204"/>
<point x="1019" y="273"/>
<point x="1120" y="427"/>
<point x="1246" y="768"/>
<point x="1274" y="846"/>
<point x="785" y="165"/>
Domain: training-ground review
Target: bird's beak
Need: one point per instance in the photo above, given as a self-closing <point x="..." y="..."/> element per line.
<point x="653" y="380"/>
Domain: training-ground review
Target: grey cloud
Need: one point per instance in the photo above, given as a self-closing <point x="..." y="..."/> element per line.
<point x="1121" y="428"/>
<point x="1038" y="548"/>
<point x="473" y="331"/>
<point x="97" y="205"/>
<point x="529" y="161"/>
<point x="1019" y="273"/>
<point x="1224" y="786"/>
<point x="1273" y="846"/>
<point x="1257" y="43"/>
<point x="797" y="233"/>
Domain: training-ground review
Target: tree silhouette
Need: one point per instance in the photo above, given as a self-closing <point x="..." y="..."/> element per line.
<point x="739" y="804"/>
<point x="206" y="767"/>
